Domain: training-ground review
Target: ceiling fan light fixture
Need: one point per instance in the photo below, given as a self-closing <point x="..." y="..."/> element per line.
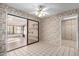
<point x="42" y="14"/>
<point x="41" y="11"/>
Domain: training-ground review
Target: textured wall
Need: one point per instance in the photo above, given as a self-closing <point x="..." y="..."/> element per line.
<point x="50" y="30"/>
<point x="4" y="10"/>
<point x="50" y="27"/>
<point x="2" y="30"/>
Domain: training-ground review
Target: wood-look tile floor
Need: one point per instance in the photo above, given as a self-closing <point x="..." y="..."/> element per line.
<point x="43" y="49"/>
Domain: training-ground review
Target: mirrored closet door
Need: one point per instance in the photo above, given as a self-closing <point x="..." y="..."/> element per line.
<point x="33" y="34"/>
<point x="16" y="32"/>
<point x="21" y="32"/>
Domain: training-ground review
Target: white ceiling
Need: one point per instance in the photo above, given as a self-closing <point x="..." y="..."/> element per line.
<point x="51" y="8"/>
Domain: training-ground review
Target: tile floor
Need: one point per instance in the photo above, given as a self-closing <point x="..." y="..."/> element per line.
<point x="69" y="43"/>
<point x="44" y="49"/>
<point x="13" y="43"/>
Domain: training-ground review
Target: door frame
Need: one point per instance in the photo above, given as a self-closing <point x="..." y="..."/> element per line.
<point x="75" y="17"/>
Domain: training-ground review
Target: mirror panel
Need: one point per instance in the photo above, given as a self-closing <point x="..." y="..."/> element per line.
<point x="32" y="31"/>
<point x="16" y="32"/>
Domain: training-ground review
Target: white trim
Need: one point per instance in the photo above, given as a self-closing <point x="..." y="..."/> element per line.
<point x="77" y="33"/>
<point x="60" y="32"/>
<point x="70" y="17"/>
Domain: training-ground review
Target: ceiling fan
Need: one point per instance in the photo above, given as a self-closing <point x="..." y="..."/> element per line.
<point x="41" y="11"/>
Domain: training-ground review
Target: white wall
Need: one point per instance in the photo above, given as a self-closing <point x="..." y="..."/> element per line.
<point x="50" y="27"/>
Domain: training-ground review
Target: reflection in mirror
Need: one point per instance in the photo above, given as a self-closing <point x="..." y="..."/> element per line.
<point x="16" y="32"/>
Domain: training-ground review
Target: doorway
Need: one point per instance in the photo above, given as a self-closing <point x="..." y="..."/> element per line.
<point x="69" y="32"/>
